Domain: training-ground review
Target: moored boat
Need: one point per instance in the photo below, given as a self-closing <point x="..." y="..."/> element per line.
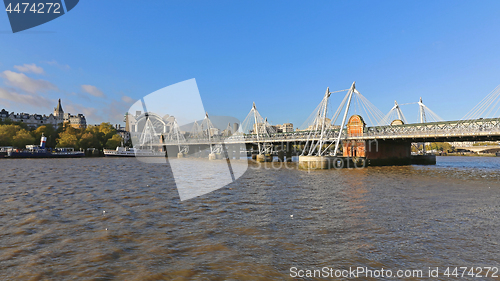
<point x="39" y="151"/>
<point x="4" y="150"/>
<point x="132" y="152"/>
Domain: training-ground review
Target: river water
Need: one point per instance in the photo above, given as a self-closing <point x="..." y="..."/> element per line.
<point x="119" y="219"/>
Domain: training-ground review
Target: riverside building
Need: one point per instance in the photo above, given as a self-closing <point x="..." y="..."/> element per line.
<point x="58" y="117"/>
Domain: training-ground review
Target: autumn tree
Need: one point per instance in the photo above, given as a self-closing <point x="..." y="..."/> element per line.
<point x="22" y="138"/>
<point x="67" y="139"/>
<point x="7" y="134"/>
<point x="88" y="140"/>
<point x="114" y="141"/>
<point x="440" y="146"/>
<point x="100" y="136"/>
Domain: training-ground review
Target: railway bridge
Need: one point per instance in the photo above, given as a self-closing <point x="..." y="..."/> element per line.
<point x="387" y="140"/>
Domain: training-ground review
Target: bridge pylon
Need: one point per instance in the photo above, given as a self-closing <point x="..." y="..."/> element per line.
<point x="315" y="154"/>
<point x="318" y="127"/>
<point x="175" y="135"/>
<point x="260" y="128"/>
<point x="322" y="133"/>
<point x="209" y="130"/>
<point x="423" y="113"/>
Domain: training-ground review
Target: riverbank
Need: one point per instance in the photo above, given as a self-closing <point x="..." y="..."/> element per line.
<point x="470" y="155"/>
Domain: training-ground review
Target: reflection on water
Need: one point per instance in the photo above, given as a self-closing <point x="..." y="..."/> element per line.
<point x="52" y="224"/>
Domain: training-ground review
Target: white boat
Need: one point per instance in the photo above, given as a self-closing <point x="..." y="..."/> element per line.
<point x="132" y="152"/>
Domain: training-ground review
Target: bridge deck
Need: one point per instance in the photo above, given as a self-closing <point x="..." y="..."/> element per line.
<point x="468" y="130"/>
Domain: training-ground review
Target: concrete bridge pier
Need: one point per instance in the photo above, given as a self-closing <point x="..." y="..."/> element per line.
<point x="423" y="159"/>
<point x="263" y="157"/>
<point x="316" y="162"/>
<point x="254" y="151"/>
<point x="260" y="157"/>
<point x="386" y="153"/>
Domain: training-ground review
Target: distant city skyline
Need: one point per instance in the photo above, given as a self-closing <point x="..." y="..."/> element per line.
<point x="56" y="118"/>
<point x="104" y="56"/>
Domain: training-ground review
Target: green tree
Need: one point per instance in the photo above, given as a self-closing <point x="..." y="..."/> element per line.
<point x="103" y="132"/>
<point x="114" y="141"/>
<point x="67" y="139"/>
<point x="100" y="136"/>
<point x="22" y="138"/>
<point x="88" y="140"/>
<point x="7" y="134"/>
<point x="440" y="146"/>
<point x="69" y="136"/>
<point x="107" y="129"/>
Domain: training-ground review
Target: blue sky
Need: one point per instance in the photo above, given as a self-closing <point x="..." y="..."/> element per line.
<point x="104" y="55"/>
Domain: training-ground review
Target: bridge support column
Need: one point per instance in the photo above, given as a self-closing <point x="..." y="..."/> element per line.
<point x="260" y="158"/>
<point x="180" y="155"/>
<point x="423" y="159"/>
<point x="316" y="162"/>
<point x="254" y="152"/>
<point x="281" y="155"/>
<point x="383" y="152"/>
<point x="288" y="152"/>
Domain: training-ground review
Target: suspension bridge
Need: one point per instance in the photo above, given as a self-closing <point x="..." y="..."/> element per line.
<point x="328" y="135"/>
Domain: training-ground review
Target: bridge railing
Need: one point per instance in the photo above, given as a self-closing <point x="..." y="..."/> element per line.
<point x="250" y="138"/>
<point x="453" y="128"/>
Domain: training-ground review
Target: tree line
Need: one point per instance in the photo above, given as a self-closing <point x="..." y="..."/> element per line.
<point x="437" y="146"/>
<point x="19" y="135"/>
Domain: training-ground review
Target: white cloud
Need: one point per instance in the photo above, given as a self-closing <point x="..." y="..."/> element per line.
<point x="25" y="83"/>
<point x="127" y="99"/>
<point x="55" y="63"/>
<point x="93" y="91"/>
<point x="33" y="100"/>
<point x="27" y="68"/>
